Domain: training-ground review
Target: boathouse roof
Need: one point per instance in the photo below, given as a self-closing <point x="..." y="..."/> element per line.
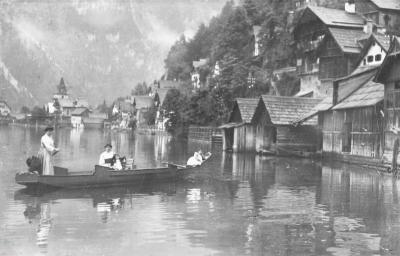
<point x="369" y="94"/>
<point x="284" y="110"/>
<point x="353" y="91"/>
<point x="247" y="108"/>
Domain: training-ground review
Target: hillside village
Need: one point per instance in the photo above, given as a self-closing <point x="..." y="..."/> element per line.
<point x="336" y="97"/>
<point x="346" y="105"/>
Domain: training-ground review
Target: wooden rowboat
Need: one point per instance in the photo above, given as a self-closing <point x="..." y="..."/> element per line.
<point x="100" y="177"/>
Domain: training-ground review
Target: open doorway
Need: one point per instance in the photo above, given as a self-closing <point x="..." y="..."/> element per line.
<point x="346" y="137"/>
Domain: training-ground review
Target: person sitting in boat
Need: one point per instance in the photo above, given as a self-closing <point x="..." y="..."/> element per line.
<point x="106" y="158"/>
<point x="196" y="159"/>
<point x="116" y="162"/>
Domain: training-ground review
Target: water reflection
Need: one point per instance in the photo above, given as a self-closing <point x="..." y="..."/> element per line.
<point x="236" y="204"/>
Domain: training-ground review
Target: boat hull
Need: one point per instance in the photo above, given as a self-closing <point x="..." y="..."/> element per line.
<point x="101" y="177"/>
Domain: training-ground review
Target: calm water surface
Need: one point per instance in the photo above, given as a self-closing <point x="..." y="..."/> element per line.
<point x="234" y="205"/>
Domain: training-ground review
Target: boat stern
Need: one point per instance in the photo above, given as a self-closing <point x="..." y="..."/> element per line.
<point x="27" y="178"/>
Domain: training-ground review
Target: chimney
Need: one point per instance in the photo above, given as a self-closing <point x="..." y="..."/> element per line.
<point x="368" y="27"/>
<point x="350" y="6"/>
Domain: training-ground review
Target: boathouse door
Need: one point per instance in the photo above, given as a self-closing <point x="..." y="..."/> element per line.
<point x="229" y="138"/>
<point x="346" y="137"/>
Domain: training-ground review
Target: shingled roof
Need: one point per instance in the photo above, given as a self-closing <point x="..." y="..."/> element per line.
<point x="383" y="41"/>
<point x="336" y="17"/>
<point x="355" y="90"/>
<point x="247" y="108"/>
<point x="367" y="95"/>
<point x="387" y="4"/>
<point x="284" y="110"/>
<point x="324" y="105"/>
<point x="346" y="39"/>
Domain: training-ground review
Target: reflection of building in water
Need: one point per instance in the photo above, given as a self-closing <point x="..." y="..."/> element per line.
<point x="123" y="143"/>
<point x="160" y="146"/>
<point x="44" y="227"/>
<point x="145" y="151"/>
<point x="372" y="198"/>
<point x="75" y="140"/>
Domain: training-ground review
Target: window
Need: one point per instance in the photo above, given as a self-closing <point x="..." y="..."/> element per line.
<point x="365" y="62"/>
<point x="370" y="58"/>
<point x="378" y="57"/>
<point x="397" y="85"/>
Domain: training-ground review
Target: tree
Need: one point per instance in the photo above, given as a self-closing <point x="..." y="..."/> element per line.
<point x="150" y="115"/>
<point x="103" y="108"/>
<point x="38" y="112"/>
<point x="25" y="110"/>
<point x="174" y="107"/>
<point x="177" y="62"/>
<point x="140" y="89"/>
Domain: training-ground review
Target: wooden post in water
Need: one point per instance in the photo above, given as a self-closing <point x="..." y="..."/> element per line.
<point x="394" y="157"/>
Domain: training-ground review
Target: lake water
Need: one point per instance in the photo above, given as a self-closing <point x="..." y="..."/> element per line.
<point x="233" y="205"/>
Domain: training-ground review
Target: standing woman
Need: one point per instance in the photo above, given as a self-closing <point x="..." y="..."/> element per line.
<point x="47" y="150"/>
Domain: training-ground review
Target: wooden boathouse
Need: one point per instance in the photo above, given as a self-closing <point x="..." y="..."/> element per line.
<point x="389" y="75"/>
<point x="275" y="132"/>
<point x="352" y="119"/>
<point x="354" y="125"/>
<point x="238" y="135"/>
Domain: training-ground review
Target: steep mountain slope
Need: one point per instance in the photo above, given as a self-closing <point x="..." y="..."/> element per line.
<point x="102" y="48"/>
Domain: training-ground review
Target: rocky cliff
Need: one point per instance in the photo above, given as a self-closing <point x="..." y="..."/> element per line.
<point x="102" y="48"/>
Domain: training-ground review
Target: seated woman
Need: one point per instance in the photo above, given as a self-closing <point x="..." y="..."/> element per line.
<point x="195" y="160"/>
<point x="107" y="156"/>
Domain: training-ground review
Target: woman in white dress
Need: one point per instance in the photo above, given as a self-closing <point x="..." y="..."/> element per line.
<point x="47" y="150"/>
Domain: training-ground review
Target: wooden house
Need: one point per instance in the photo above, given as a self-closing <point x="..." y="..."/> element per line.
<point x="389" y="75"/>
<point x="238" y="135"/>
<point x="385" y="13"/>
<point x="77" y="116"/>
<point x="275" y="132"/>
<point x="198" y="80"/>
<point x="338" y="55"/>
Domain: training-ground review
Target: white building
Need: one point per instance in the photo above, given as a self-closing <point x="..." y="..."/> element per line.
<point x="5" y="110"/>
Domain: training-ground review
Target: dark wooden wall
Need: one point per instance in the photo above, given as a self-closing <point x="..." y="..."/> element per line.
<point x="333" y="62"/>
<point x="366" y="131"/>
<point x="300" y="138"/>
